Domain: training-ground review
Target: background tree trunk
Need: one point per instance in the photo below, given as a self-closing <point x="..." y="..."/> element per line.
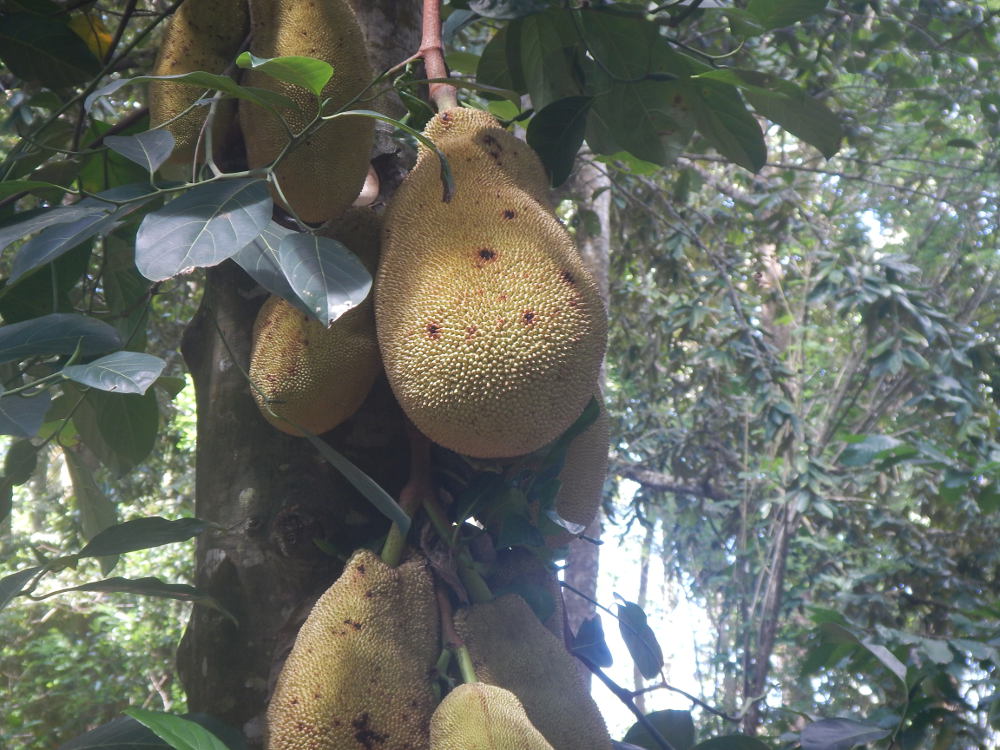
<point x="271" y="495"/>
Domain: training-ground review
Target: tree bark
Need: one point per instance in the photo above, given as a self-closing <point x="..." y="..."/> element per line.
<point x="285" y="519"/>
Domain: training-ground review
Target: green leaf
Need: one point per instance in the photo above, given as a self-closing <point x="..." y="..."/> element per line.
<point x="201" y="79"/>
<point x="179" y="733"/>
<point x="142" y="533"/>
<point x="260" y="260"/>
<point x="505" y="9"/>
<point x="42" y="293"/>
<point x="23" y="416"/>
<point x="149" y="149"/>
<point x="203" y="227"/>
<point x="119" y="428"/>
<point x="363" y="483"/>
<point x="150" y="586"/>
<point x="732" y="742"/>
<point x="556" y="132"/>
<point x="839" y="734"/>
<point x="589" y="642"/>
<point x="121" y="372"/>
<point x="97" y="512"/>
<point x="45" y="50"/>
<point x="937" y="651"/>
<point x="725" y="123"/>
<point x="500" y="66"/>
<point x="546" y="45"/>
<point x="640" y="639"/>
<point x="13" y="584"/>
<point x="20" y="462"/>
<point x="676" y="727"/>
<point x="620" y="43"/>
<point x="863" y="449"/>
<point x="307" y="72"/>
<point x="26" y="224"/>
<point x="776" y="14"/>
<point x="13" y="187"/>
<point x="326" y="276"/>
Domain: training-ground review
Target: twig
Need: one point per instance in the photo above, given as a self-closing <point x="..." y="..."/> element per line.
<point x="443" y="95"/>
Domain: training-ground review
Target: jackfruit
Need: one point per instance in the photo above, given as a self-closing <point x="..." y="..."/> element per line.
<point x="358" y="675"/>
<point x="491" y="329"/>
<point x="510" y="648"/>
<point x="520" y="571"/>
<point x="202" y="35"/>
<point x="306" y="373"/>
<point x="475" y="716"/>
<point x="323" y="175"/>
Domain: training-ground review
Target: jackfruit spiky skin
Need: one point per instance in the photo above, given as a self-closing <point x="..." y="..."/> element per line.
<point x="492" y="331"/>
<point x="358" y="675"/>
<point x="582" y="476"/>
<point x="510" y="648"/>
<point x="308" y="374"/>
<point x="322" y="176"/>
<point x="475" y="716"/>
<point x="201" y="35"/>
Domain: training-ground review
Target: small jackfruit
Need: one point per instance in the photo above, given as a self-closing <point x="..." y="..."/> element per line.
<point x="510" y="648"/>
<point x="358" y="675"/>
<point x="323" y="175"/>
<point x="475" y="716"/>
<point x="308" y="374"/>
<point x="202" y="35"/>
<point x="492" y="331"/>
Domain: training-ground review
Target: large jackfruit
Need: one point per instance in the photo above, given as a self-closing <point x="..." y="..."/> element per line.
<point x="510" y="648"/>
<point x="201" y="35"/>
<point x="358" y="675"/>
<point x="322" y="176"/>
<point x="491" y="329"/>
<point x="308" y="374"/>
<point x="476" y="716"/>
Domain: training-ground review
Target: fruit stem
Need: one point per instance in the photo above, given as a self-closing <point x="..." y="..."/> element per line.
<point x="411" y="497"/>
<point x="452" y="640"/>
<point x="443" y="95"/>
<point x="477" y="589"/>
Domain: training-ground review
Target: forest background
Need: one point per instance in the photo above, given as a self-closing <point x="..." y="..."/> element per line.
<point x="802" y="374"/>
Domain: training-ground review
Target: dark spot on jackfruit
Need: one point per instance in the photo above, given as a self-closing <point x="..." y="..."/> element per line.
<point x="361" y="568"/>
<point x="528" y="317"/>
<point x="567" y="277"/>
<point x="485" y="255"/>
<point x="353" y="623"/>
<point x="433" y="331"/>
<point x="365" y="734"/>
<point x="508" y="213"/>
<point x="446" y="117"/>
<point x="470" y="333"/>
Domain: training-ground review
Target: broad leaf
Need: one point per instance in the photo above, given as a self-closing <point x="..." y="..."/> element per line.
<point x="97" y="512"/>
<point x="201" y="79"/>
<point x="179" y="733"/>
<point x="142" y="533"/>
<point x="776" y="14"/>
<point x="12" y="585"/>
<point x="307" y="72"/>
<point x="20" y="462"/>
<point x="54" y="241"/>
<point x="45" y="50"/>
<point x="326" y="276"/>
<point x="121" y="372"/>
<point x="724" y="121"/>
<point x="13" y="187"/>
<point x="150" y="586"/>
<point x="640" y="639"/>
<point x="59" y="333"/>
<point x="839" y="734"/>
<point x="203" y="227"/>
<point x="149" y="149"/>
<point x="556" y="133"/>
<point x="126" y="733"/>
<point x="23" y="416"/>
<point x="119" y="428"/>
<point x="676" y="727"/>
<point x="505" y="9"/>
<point x="30" y="222"/>
<point x="732" y="742"/>
<point x="260" y="260"/>
<point x="546" y="42"/>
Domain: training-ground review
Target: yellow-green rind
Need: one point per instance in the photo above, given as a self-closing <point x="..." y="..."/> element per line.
<point x="476" y="716"/>
<point x="201" y="35"/>
<point x="315" y="376"/>
<point x="510" y="648"/>
<point x="492" y="331"/>
<point x="322" y="176"/>
<point x="358" y="675"/>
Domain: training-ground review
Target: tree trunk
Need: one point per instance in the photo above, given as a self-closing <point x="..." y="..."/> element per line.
<point x="285" y="519"/>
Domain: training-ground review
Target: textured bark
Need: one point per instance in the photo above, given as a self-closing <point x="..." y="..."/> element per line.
<point x="584" y="558"/>
<point x="271" y="495"/>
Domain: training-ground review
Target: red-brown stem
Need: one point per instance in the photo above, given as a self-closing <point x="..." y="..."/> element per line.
<point x="411" y="497"/>
<point x="443" y="95"/>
